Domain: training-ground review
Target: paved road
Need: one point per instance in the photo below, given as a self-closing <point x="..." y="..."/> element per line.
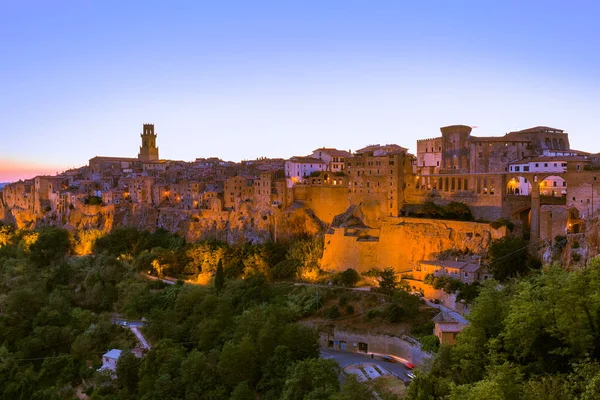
<point x="140" y="337"/>
<point x="154" y="278"/>
<point x="119" y="321"/>
<point x="345" y="358"/>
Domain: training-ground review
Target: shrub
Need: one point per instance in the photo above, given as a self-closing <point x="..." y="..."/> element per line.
<point x="349" y="309"/>
<point x="333" y="312"/>
<point x="430" y="343"/>
<point x="423" y="329"/>
<point x="348" y="278"/>
<point x="371" y="314"/>
<point x="560" y="241"/>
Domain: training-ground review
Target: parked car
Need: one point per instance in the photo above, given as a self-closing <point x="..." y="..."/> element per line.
<point x="410" y="374"/>
<point x="388" y="359"/>
<point x="409" y="365"/>
<point x="435" y="301"/>
<point x="124" y="323"/>
<point x="418" y="294"/>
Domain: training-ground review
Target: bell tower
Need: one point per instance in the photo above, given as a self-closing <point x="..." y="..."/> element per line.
<point x="148" y="150"/>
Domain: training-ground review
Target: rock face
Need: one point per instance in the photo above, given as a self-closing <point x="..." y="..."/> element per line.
<point x="246" y="224"/>
<point x="400" y="242"/>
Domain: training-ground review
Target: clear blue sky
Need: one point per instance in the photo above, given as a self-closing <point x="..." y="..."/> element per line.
<point x="244" y="79"/>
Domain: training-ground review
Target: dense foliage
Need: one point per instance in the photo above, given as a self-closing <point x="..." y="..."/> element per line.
<point x="239" y="342"/>
<point x="533" y="338"/>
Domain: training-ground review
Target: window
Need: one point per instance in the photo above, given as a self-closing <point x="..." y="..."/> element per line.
<point x="578" y="167"/>
<point x="545" y="165"/>
<point x="517" y="169"/>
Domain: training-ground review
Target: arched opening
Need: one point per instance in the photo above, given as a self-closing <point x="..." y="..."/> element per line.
<point x="553" y="186"/>
<point x="561" y="144"/>
<point x="518" y="186"/>
<point x="548" y="143"/>
<point x="554" y="144"/>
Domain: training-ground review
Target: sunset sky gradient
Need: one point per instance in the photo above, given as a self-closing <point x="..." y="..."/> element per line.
<point x="245" y="79"/>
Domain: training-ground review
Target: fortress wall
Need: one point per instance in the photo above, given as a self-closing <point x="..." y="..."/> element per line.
<point x="403" y="242"/>
<point x="325" y="201"/>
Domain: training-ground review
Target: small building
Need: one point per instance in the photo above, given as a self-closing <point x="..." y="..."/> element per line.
<point x="447" y="327"/>
<point x="463" y="271"/>
<point x="109" y="360"/>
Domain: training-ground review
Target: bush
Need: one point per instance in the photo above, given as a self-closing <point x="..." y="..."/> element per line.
<point x="333" y="312"/>
<point x="422" y="330"/>
<point x="560" y="241"/>
<point x="430" y="343"/>
<point x="286" y="269"/>
<point x="371" y="314"/>
<point x="500" y="222"/>
<point x="349" y="309"/>
<point x="348" y="278"/>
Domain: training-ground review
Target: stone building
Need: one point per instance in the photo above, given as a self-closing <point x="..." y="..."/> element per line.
<point x="148" y="149"/>
<point x="237" y="189"/>
<point x="464" y="271"/>
<point x="334" y="158"/>
<point x="377" y="176"/>
<point x="447" y="327"/>
<point x="300" y="168"/>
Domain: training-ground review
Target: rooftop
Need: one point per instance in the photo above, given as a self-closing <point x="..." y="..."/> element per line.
<point x="462" y="265"/>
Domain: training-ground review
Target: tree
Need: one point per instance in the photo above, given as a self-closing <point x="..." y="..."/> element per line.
<point x="51" y="246"/>
<point x="238" y="363"/>
<point x="430" y="343"/>
<point x="314" y="378"/>
<point x="128" y="366"/>
<point x="353" y="390"/>
<point x="388" y="282"/>
<point x="348" y="278"/>
<point x="242" y="392"/>
<point x="219" y="277"/>
<point x="509" y="258"/>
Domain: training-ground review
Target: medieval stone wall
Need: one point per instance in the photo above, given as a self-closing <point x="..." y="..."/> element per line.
<point x="402" y="242"/>
<point x="325" y="201"/>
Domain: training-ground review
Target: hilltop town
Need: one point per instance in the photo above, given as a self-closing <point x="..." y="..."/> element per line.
<point x="531" y="181"/>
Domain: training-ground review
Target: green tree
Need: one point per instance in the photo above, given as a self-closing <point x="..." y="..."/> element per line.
<point x="242" y="392"/>
<point x="509" y="258"/>
<point x="388" y="282"/>
<point x="238" y="363"/>
<point x="353" y="390"/>
<point x="219" y="277"/>
<point x="128" y="367"/>
<point x="313" y="378"/>
<point x="51" y="246"/>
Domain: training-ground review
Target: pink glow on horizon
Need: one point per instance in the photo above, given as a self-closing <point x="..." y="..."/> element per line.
<point x="12" y="171"/>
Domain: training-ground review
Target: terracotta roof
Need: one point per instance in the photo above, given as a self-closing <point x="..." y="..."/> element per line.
<point x="334" y="152"/>
<point x="306" y="160"/>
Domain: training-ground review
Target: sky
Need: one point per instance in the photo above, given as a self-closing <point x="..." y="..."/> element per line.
<point x="247" y="79"/>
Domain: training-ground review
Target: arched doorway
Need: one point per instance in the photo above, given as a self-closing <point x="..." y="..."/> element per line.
<point x="553" y="186"/>
<point x="518" y="186"/>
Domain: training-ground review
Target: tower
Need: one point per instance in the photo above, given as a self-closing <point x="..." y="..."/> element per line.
<point x="148" y="150"/>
